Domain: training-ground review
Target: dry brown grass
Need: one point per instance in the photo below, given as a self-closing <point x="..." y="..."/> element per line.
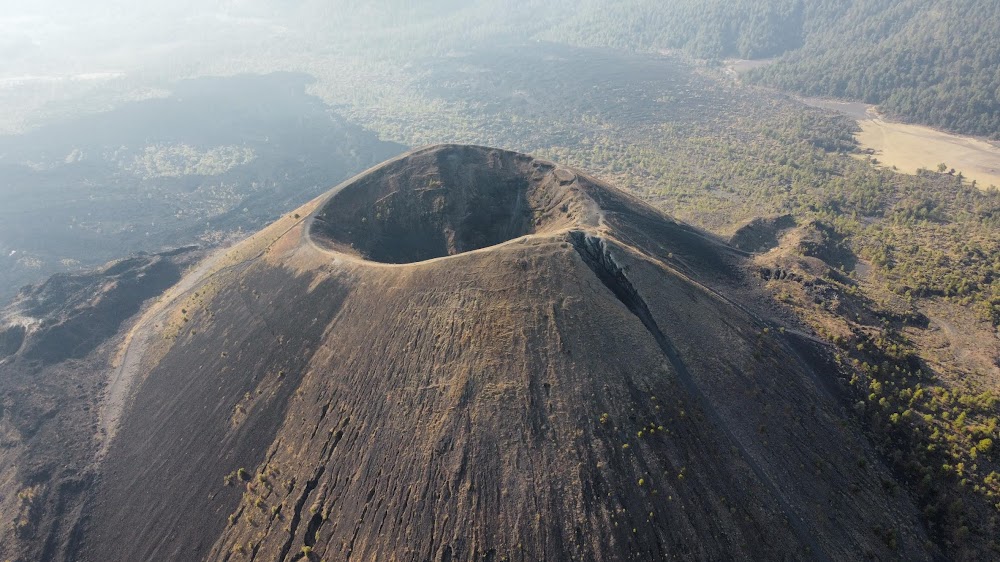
<point x="910" y="147"/>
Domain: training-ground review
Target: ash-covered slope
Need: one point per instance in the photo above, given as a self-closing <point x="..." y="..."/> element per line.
<point x="467" y="353"/>
<point x="57" y="340"/>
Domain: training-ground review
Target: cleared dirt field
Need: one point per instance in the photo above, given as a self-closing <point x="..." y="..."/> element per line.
<point x="910" y="147"/>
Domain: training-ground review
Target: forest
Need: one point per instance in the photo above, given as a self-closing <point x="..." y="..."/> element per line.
<point x="931" y="62"/>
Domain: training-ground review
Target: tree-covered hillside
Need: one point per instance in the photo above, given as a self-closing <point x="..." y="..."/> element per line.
<point x="936" y="62"/>
<point x="705" y="28"/>
<point x="930" y="61"/>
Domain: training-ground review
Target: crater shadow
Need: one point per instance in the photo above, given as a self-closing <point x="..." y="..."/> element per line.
<point x="433" y="203"/>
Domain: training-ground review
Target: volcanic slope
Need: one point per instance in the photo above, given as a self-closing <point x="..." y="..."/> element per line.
<point x="467" y="353"/>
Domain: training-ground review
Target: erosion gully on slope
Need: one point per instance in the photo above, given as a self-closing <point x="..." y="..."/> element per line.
<point x="595" y="253"/>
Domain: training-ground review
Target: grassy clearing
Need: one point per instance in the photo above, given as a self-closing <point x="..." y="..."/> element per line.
<point x="911" y="147"/>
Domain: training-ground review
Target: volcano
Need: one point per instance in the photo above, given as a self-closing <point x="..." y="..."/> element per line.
<point x="467" y="353"/>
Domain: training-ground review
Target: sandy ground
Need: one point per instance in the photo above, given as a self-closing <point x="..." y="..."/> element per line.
<point x="910" y="147"/>
<point x="737" y="67"/>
